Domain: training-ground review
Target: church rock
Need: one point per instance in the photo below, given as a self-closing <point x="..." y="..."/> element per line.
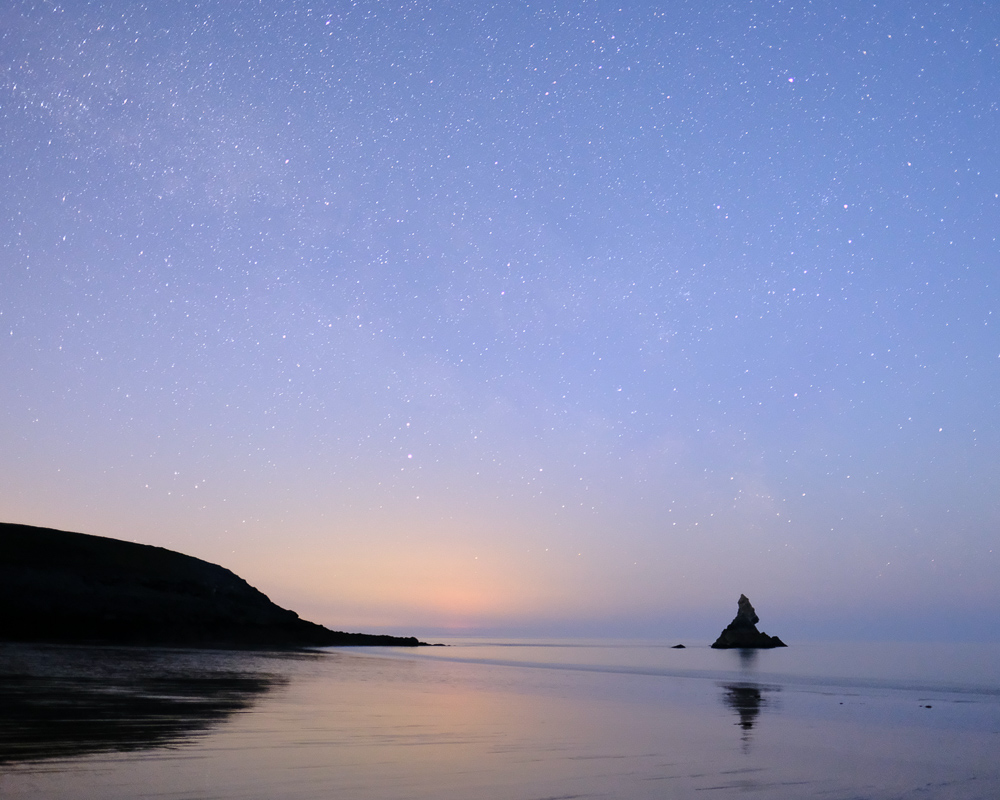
<point x="742" y="631"/>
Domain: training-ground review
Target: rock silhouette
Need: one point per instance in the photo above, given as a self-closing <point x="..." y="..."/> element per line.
<point x="742" y="631"/>
<point x="57" y="586"/>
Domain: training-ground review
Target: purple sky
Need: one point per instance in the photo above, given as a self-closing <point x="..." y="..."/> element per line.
<point x="540" y="317"/>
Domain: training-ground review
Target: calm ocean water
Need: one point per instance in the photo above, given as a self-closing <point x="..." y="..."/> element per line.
<point x="513" y="719"/>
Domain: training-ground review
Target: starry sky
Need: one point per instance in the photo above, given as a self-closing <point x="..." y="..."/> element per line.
<point x="538" y="317"/>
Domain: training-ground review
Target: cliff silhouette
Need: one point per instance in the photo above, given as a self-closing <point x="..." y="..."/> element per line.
<point x="57" y="586"/>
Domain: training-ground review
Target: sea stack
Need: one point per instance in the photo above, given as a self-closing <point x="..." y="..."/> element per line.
<point x="742" y="631"/>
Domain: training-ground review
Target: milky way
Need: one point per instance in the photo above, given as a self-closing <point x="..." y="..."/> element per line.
<point x="561" y="316"/>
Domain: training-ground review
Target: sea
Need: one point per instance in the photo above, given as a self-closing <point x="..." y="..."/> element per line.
<point x="502" y="719"/>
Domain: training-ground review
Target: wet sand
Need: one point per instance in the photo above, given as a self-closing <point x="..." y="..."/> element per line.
<point x="188" y="724"/>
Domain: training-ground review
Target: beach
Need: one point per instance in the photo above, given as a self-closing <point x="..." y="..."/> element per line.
<point x="502" y="719"/>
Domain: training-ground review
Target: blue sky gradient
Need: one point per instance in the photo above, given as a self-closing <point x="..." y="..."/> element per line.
<point x="534" y="317"/>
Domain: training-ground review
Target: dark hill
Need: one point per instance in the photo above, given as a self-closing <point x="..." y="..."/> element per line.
<point x="57" y="586"/>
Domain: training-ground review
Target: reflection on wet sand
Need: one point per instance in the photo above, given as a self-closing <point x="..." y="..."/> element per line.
<point x="746" y="699"/>
<point x="59" y="702"/>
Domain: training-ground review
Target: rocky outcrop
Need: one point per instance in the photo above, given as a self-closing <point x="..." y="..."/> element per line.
<point x="742" y="631"/>
<point x="57" y="586"/>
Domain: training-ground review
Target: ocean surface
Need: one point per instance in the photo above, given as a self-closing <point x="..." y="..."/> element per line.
<point x="525" y="720"/>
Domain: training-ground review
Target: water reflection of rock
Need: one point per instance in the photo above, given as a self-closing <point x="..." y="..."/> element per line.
<point x="746" y="699"/>
<point x="75" y="701"/>
<point x="748" y="657"/>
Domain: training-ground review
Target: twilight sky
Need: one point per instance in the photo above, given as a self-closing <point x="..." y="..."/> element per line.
<point x="535" y="317"/>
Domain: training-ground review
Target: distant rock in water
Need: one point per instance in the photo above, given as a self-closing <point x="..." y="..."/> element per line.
<point x="742" y="631"/>
<point x="57" y="586"/>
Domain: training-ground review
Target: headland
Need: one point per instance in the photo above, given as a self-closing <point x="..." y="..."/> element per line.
<point x="58" y="586"/>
